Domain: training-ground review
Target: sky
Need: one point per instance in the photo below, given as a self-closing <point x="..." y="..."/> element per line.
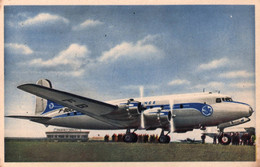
<point x="108" y="52"/>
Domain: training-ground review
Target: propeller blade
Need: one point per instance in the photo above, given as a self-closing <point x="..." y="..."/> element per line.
<point x="141" y="88"/>
<point x="171" y="122"/>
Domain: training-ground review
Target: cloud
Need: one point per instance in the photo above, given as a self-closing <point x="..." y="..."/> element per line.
<point x="236" y="74"/>
<point x="43" y="18"/>
<point x="70" y="60"/>
<point x="178" y="82"/>
<point x="139" y="50"/>
<point x="87" y="24"/>
<point x="213" y="64"/>
<point x="242" y="85"/>
<point x="18" y="48"/>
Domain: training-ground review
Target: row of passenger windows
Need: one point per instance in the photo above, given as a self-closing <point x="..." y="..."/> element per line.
<point x="219" y="100"/>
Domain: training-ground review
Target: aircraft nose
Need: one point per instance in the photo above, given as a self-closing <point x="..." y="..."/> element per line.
<point x="250" y="111"/>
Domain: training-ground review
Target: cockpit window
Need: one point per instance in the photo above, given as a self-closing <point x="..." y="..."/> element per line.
<point x="218" y="100"/>
<point x="227" y="99"/>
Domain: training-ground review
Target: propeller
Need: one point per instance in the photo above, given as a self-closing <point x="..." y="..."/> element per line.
<point x="171" y="122"/>
<point x="141" y="88"/>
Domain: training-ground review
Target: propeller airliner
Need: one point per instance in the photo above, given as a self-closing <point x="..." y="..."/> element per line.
<point x="171" y="113"/>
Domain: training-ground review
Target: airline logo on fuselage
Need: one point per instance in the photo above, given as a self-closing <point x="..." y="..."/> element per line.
<point x="207" y="110"/>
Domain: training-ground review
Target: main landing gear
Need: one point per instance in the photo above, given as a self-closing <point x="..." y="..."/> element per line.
<point x="164" y="138"/>
<point x="130" y="137"/>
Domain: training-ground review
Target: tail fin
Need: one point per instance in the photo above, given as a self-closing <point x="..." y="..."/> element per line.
<point x="44" y="106"/>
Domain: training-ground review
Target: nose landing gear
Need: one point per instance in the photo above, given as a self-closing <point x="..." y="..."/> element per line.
<point x="224" y="139"/>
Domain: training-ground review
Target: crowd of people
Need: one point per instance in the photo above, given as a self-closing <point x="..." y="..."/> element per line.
<point x="143" y="138"/>
<point x="245" y="139"/>
<point x="238" y="139"/>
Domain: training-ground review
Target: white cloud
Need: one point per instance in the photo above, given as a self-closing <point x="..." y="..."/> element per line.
<point x="242" y="85"/>
<point x="178" y="82"/>
<point x="43" y="18"/>
<point x="72" y="59"/>
<point x="147" y="39"/>
<point x="141" y="49"/>
<point x="86" y="24"/>
<point x="18" y="48"/>
<point x="213" y="64"/>
<point x="236" y="74"/>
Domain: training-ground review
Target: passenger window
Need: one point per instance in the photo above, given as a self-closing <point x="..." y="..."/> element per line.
<point x="181" y="106"/>
<point x="218" y="100"/>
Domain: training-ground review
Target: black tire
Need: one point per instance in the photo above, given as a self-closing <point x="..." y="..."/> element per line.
<point x="128" y="137"/>
<point x="164" y="139"/>
<point x="168" y="139"/>
<point x="224" y="139"/>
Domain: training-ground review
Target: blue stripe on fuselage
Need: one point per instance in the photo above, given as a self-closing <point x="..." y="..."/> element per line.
<point x="197" y="106"/>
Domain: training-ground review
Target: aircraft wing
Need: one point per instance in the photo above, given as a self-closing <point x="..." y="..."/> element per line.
<point x="90" y="107"/>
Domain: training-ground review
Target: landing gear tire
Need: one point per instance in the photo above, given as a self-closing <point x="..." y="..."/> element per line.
<point x="164" y="139"/>
<point x="130" y="137"/>
<point x="224" y="139"/>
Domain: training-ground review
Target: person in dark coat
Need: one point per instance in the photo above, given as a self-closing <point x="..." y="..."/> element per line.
<point x="215" y="140"/>
<point x="203" y="137"/>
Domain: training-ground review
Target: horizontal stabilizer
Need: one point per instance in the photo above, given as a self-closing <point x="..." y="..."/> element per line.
<point x="31" y="117"/>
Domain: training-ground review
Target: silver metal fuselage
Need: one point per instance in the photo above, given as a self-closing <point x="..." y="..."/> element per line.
<point x="189" y="111"/>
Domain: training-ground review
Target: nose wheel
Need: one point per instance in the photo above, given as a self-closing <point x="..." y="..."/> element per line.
<point x="224" y="139"/>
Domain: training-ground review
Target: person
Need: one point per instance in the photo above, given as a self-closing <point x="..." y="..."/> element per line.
<point x="234" y="139"/>
<point x="237" y="138"/>
<point x="106" y="138"/>
<point x="146" y="138"/>
<point x="215" y="140"/>
<point x="252" y="139"/>
<point x="203" y="137"/>
<point x="140" y="138"/>
<point x="120" y="138"/>
<point x="114" y="137"/>
<point x="244" y="138"/>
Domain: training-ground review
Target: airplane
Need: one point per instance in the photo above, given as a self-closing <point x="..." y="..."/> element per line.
<point x="189" y="140"/>
<point x="171" y="113"/>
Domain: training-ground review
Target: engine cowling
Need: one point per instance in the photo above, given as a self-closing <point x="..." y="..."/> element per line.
<point x="156" y="118"/>
<point x="132" y="107"/>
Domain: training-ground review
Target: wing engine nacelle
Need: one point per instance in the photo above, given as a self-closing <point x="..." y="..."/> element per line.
<point x="157" y="118"/>
<point x="132" y="107"/>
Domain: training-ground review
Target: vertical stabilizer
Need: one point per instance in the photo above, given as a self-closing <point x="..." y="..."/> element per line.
<point x="41" y="103"/>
